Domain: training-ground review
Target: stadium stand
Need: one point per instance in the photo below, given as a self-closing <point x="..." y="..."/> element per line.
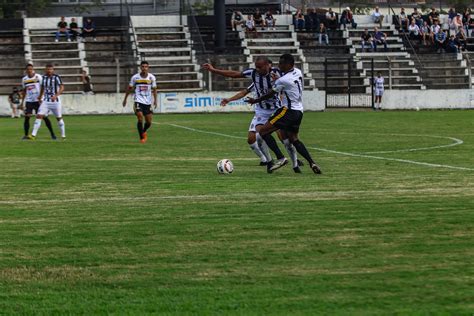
<point x="12" y="54"/>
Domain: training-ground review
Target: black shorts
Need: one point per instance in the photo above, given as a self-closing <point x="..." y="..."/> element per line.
<point x="144" y="108"/>
<point x="30" y="106"/>
<point x="287" y="119"/>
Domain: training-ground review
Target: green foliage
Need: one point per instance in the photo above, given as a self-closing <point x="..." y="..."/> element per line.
<point x="201" y="7"/>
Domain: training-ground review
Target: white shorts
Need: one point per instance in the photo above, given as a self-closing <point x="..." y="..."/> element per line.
<point x="378" y="92"/>
<point x="259" y="118"/>
<point x="50" y="107"/>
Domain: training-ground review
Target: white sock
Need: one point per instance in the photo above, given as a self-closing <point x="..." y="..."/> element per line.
<point x="62" y="127"/>
<point x="291" y="152"/>
<point x="263" y="147"/>
<point x="36" y="127"/>
<point x="258" y="152"/>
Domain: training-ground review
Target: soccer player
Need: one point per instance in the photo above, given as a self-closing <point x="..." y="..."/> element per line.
<point x="378" y="83"/>
<point x="51" y="88"/>
<point x="289" y="116"/>
<point x="31" y="84"/>
<point x="262" y="83"/>
<point x="144" y="84"/>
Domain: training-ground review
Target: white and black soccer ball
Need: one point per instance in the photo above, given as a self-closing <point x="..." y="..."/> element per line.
<point x="225" y="166"/>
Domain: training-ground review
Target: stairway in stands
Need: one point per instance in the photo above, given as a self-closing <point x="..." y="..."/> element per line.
<point x="12" y="60"/>
<point x="171" y="57"/>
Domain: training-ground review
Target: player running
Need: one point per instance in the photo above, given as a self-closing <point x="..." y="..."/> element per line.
<point x="51" y="88"/>
<point x="261" y="84"/>
<point x="288" y="117"/>
<point x="31" y="84"/>
<point x="378" y="83"/>
<point x="144" y="84"/>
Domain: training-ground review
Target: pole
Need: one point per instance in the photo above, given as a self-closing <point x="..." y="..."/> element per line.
<point x="326" y="82"/>
<point x="117" y="67"/>
<point x="349" y="88"/>
<point x="372" y="84"/>
<point x="219" y="15"/>
<point x="389" y="73"/>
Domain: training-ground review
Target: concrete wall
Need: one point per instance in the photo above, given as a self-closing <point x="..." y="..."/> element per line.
<point x="158" y="20"/>
<point x="428" y="99"/>
<point x="49" y="23"/>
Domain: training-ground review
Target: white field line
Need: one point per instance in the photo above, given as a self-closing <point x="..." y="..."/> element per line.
<point x="426" y="164"/>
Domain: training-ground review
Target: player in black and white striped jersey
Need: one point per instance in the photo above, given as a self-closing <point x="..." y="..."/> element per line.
<point x="51" y="88"/>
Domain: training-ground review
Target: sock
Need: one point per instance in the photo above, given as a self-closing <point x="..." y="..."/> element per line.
<point x="48" y="125"/>
<point x="263" y="147"/>
<point x="62" y="127"/>
<point x="36" y="127"/>
<point x="258" y="152"/>
<point x="291" y="152"/>
<point x="147" y="126"/>
<point x="273" y="145"/>
<point x="140" y="129"/>
<point x="26" y="125"/>
<point x="301" y="148"/>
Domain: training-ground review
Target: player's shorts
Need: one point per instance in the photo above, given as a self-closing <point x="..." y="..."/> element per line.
<point x="260" y="118"/>
<point x="15" y="105"/>
<point x="378" y="92"/>
<point x="287" y="119"/>
<point x="144" y="108"/>
<point x="30" y="107"/>
<point x="51" y="107"/>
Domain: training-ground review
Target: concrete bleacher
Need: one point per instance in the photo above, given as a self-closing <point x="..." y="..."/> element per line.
<point x="12" y="59"/>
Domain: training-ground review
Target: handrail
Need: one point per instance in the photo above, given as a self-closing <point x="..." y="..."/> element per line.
<point x="469" y="69"/>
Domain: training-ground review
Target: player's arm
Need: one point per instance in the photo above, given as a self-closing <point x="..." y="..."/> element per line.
<point x="40" y="97"/>
<point x="222" y="72"/>
<point x="127" y="92"/>
<point x="155" y="92"/>
<point x="242" y="93"/>
<point x="22" y="95"/>
<point x="267" y="96"/>
<point x="60" y="91"/>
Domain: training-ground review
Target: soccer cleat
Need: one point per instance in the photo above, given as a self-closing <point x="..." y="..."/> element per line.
<point x="297" y="169"/>
<point x="31" y="137"/>
<point x="25" y="138"/>
<point x="145" y="136"/>
<point x="279" y="163"/>
<point x="53" y="137"/>
<point x="263" y="163"/>
<point x="300" y="163"/>
<point x="316" y="169"/>
<point x="142" y="140"/>
<point x="269" y="166"/>
<point x="63" y="138"/>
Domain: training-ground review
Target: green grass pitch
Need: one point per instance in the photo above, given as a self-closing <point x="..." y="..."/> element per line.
<point x="101" y="224"/>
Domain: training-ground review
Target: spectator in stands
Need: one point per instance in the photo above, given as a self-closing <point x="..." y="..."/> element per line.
<point x="440" y="41"/>
<point x="451" y="15"/>
<point x="367" y="40"/>
<point x="426" y="33"/>
<point x="312" y="20"/>
<point x="74" y="29"/>
<point x="433" y="16"/>
<point x="299" y="20"/>
<point x="62" y="30"/>
<point x="414" y="30"/>
<point x="377" y="16"/>
<point x="323" y="34"/>
<point x="348" y="18"/>
<point x="331" y="19"/>
<point x="86" y="83"/>
<point x="471" y="26"/>
<point x="14" y="99"/>
<point x="416" y="15"/>
<point x="461" y="41"/>
<point x="434" y="30"/>
<point x="258" y="19"/>
<point x="250" y="26"/>
<point x="88" y="29"/>
<point x="452" y="45"/>
<point x="270" y="21"/>
<point x="465" y="21"/>
<point x="380" y="38"/>
<point x="458" y="26"/>
<point x="403" y="19"/>
<point x="236" y="20"/>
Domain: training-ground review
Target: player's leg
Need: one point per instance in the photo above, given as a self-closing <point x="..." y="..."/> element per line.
<point x="380" y="100"/>
<point x="290" y="149"/>
<point x="140" y="118"/>
<point x="47" y="122"/>
<point x="301" y="148"/>
<point x="56" y="109"/>
<point x="26" y="123"/>
<point x="252" y="141"/>
<point x="265" y="133"/>
<point x="262" y="145"/>
<point x="148" y="120"/>
<point x="42" y="111"/>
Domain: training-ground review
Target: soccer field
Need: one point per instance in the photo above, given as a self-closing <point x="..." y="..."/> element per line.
<point x="103" y="224"/>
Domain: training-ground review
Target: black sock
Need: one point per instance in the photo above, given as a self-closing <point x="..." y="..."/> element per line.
<point x="140" y="129"/>
<point x="272" y="144"/>
<point x="301" y="149"/>
<point x="147" y="126"/>
<point x="48" y="125"/>
<point x="26" y="125"/>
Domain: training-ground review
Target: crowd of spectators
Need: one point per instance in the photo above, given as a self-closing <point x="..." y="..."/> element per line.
<point x="72" y="31"/>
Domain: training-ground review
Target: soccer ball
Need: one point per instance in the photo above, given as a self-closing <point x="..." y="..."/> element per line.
<point x="225" y="166"/>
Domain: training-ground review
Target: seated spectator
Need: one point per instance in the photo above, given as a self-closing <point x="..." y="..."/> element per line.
<point x="426" y="34"/>
<point x="250" y="26"/>
<point x="74" y="29"/>
<point x="331" y="19"/>
<point x="470" y="26"/>
<point x="451" y="15"/>
<point x="258" y="19"/>
<point x="433" y="16"/>
<point x="270" y="21"/>
<point x="323" y="34"/>
<point x="434" y="30"/>
<point x="380" y="38"/>
<point x="347" y="17"/>
<point x="367" y="40"/>
<point x="465" y="21"/>
<point x="414" y="30"/>
<point x="440" y="41"/>
<point x="236" y="20"/>
<point x="461" y="41"/>
<point x="377" y="16"/>
<point x="416" y="15"/>
<point x="457" y="25"/>
<point x="313" y="16"/>
<point x="452" y="45"/>
<point x="403" y="19"/>
<point x="299" y="20"/>
<point x="62" y="30"/>
<point x="88" y="29"/>
<point x="86" y="83"/>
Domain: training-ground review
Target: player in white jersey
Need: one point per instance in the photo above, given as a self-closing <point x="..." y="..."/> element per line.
<point x="143" y="84"/>
<point x="51" y="88"/>
<point x="31" y="84"/>
<point x="288" y="117"/>
<point x="262" y="81"/>
<point x="379" y="88"/>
